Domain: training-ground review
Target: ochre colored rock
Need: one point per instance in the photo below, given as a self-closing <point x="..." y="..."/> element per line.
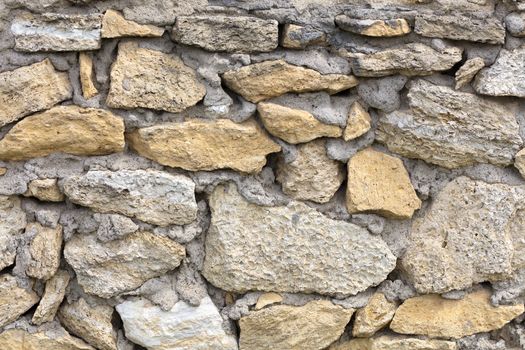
<point x="18" y="339"/>
<point x="268" y="299"/>
<point x="45" y="190"/>
<point x="14" y="300"/>
<point x="374" y="27"/>
<point x="468" y="70"/>
<point x="85" y="62"/>
<point x="114" y="25"/>
<point x="53" y="295"/>
<point x="358" y="122"/>
<point x="389" y="342"/>
<point x="374" y="316"/>
<point x="45" y="250"/>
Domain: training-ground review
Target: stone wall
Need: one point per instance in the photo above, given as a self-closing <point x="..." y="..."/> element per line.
<point x="274" y="174"/>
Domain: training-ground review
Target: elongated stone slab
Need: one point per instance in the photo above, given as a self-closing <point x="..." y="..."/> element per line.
<point x="19" y="339"/>
<point x="390" y="342"/>
<point x="114" y="25"/>
<point x="374" y="27"/>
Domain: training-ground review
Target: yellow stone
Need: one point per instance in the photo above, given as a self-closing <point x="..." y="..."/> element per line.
<point x="3" y="171"/>
<point x="389" y="28"/>
<point x="268" y="299"/>
<point x="86" y="75"/>
<point x="45" y="190"/>
<point x="114" y="25"/>
<point x="53" y="295"/>
<point x="18" y="339"/>
<point x="519" y="162"/>
<point x="45" y="250"/>
<point x="390" y="342"/>
<point x="374" y="316"/>
<point x="358" y="122"/>
<point x="14" y="301"/>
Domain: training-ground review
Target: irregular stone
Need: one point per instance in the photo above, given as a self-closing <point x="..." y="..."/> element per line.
<point x="294" y="125"/>
<point x="268" y="299"/>
<point x="374" y="316"/>
<point x="85" y="62"/>
<point x="389" y="342"/>
<point x="162" y="12"/>
<point x="14" y="301"/>
<point x="69" y="129"/>
<point x="107" y="269"/>
<point x="45" y="190"/>
<point x="19" y="339"/>
<point x="91" y="323"/>
<point x="12" y="222"/>
<point x="374" y="27"/>
<point x="312" y="175"/>
<point x="451" y="129"/>
<point x="468" y="70"/>
<point x="152" y="196"/>
<point x="31" y="89"/>
<point x="264" y="80"/>
<point x="313" y="326"/>
<point x="382" y="93"/>
<point x="459" y="27"/>
<point x="328" y="256"/>
<point x="358" y="122"/>
<point x="435" y="317"/>
<point x="45" y="249"/>
<point x="56" y="32"/>
<point x="519" y="162"/>
<point x="515" y="24"/>
<point x="227" y="33"/>
<point x="152" y="79"/>
<point x="379" y="183"/>
<point x="198" y="144"/>
<point x="410" y="60"/>
<point x="184" y="327"/>
<point x="298" y="37"/>
<point x="3" y="171"/>
<point x="54" y="293"/>
<point x="114" y="226"/>
<point x="114" y="25"/>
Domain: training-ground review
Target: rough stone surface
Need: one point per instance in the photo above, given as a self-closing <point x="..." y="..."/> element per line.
<point x="468" y="70"/>
<point x="162" y="12"/>
<point x="388" y="342"/>
<point x="85" y="66"/>
<point x="519" y="162"/>
<point x="114" y="25"/>
<point x="12" y="222"/>
<point x="19" y="339"/>
<point x="374" y="316"/>
<point x="374" y="27"/>
<point x="515" y="23"/>
<point x="45" y="250"/>
<point x="54" y="293"/>
<point x="45" y="190"/>
<point x="14" y="300"/>
<point x="298" y="37"/>
<point x="268" y="299"/>
<point x="358" y="122"/>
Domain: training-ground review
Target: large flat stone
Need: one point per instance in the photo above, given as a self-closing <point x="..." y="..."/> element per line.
<point x="14" y="300"/>
<point x="19" y="339"/>
<point x="389" y="342"/>
<point x="374" y="27"/>
<point x="12" y="222"/>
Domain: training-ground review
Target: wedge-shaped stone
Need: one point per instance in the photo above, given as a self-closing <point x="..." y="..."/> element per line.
<point x="358" y="122"/>
<point x="53" y="295"/>
<point x="110" y="268"/>
<point x="85" y="62"/>
<point x="227" y="33"/>
<point x="387" y="342"/>
<point x="114" y="25"/>
<point x="45" y="251"/>
<point x="152" y="196"/>
<point x="12" y="222"/>
<point x="374" y="27"/>
<point x="450" y="128"/>
<point x="69" y="129"/>
<point x="184" y="327"/>
<point x="14" y="301"/>
<point x="313" y="326"/>
<point x="374" y="316"/>
<point x="19" y="339"/>
<point x="205" y="145"/>
<point x="468" y="70"/>
<point x="45" y="190"/>
<point x="31" y="89"/>
<point x="261" y="81"/>
<point x="435" y="317"/>
<point x="56" y="32"/>
<point x="152" y="79"/>
<point x="289" y="248"/>
<point x="410" y="60"/>
<point x="472" y="233"/>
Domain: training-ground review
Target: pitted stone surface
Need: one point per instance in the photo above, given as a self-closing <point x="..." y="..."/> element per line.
<point x="12" y="222"/>
<point x="14" y="300"/>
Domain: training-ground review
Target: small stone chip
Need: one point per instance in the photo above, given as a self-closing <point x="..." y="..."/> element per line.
<point x="89" y="89"/>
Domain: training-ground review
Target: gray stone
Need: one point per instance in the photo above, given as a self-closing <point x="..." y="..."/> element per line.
<point x="161" y="12"/>
<point x="515" y="23"/>
<point x="114" y="226"/>
<point x="299" y="37"/>
<point x="12" y="222"/>
<point x="383" y="93"/>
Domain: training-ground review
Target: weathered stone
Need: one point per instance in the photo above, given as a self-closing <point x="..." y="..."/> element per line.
<point x="205" y="145"/>
<point x="31" y="89"/>
<point x="268" y="299"/>
<point x="56" y="32"/>
<point x="261" y="81"/>
<point x="114" y="25"/>
<point x="89" y="89"/>
<point x="468" y="70"/>
<point x="45" y="250"/>
<point x="374" y="27"/>
<point x="107" y="269"/>
<point x="289" y="248"/>
<point x="358" y="122"/>
<point x="227" y="33"/>
<point x="410" y="60"/>
<point x="53" y="295"/>
<point x="69" y="129"/>
<point x="45" y="189"/>
<point x="470" y="234"/>
<point x="184" y="327"/>
<point x="152" y="79"/>
<point x="12" y="222"/>
<point x="18" y="339"/>
<point x="519" y="162"/>
<point x="313" y="326"/>
<point x="379" y="183"/>
<point x="114" y="226"/>
<point x="3" y="171"/>
<point x="299" y="37"/>
<point x="388" y="342"/>
<point x="152" y="196"/>
<point x="311" y="175"/>
<point x="91" y="323"/>
<point x="162" y="12"/>
<point x="14" y="301"/>
<point x="374" y="316"/>
<point x="515" y="24"/>
<point x="294" y="125"/>
<point x="435" y="317"/>
<point x="459" y="27"/>
<point x="450" y="128"/>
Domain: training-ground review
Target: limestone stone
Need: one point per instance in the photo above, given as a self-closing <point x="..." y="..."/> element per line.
<point x="31" y="89"/>
<point x="152" y="196"/>
<point x="109" y="268"/>
<point x="54" y="293"/>
<point x="468" y="70"/>
<point x="12" y="222"/>
<point x="14" y="300"/>
<point x="151" y="79"/>
<point x="227" y="33"/>
<point x="264" y="80"/>
<point x="56" y="32"/>
<point x="91" y="323"/>
<point x="410" y="60"/>
<point x="312" y="175"/>
<point x="291" y="248"/>
<point x="435" y="317"/>
<point x="114" y="25"/>
<point x="358" y="122"/>
<point x="519" y="162"/>
<point x="68" y="129"/>
<point x="299" y="37"/>
<point x="268" y="299"/>
<point x="198" y="144"/>
<point x="162" y="12"/>
<point x="389" y="342"/>
<point x="313" y="326"/>
<point x="374" y="27"/>
<point x="374" y="316"/>
<point x="3" y="171"/>
<point x="45" y="190"/>
<point x="379" y="183"/>
<point x="470" y="234"/>
<point x="184" y="327"/>
<point x="45" y="250"/>
<point x="294" y="125"/>
<point x="515" y="24"/>
<point x="19" y="339"/>
<point x="89" y="89"/>
<point x="451" y="129"/>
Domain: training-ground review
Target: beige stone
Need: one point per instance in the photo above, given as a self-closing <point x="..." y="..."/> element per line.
<point x="54" y="293"/>
<point x="435" y="317"/>
<point x="45" y="189"/>
<point x="114" y="25"/>
<point x="31" y="89"/>
<point x="261" y="81"/>
<point x="374" y="27"/>
<point x="18" y="339"/>
<point x="45" y="250"/>
<point x="69" y="129"/>
<point x="389" y="342"/>
<point x="294" y="125"/>
<point x="12" y="223"/>
<point x="468" y="70"/>
<point x="298" y="37"/>
<point x="379" y="183"/>
<point x="3" y="171"/>
<point x="519" y="162"/>
<point x="268" y="299"/>
<point x="85" y="62"/>
<point x="313" y="326"/>
<point x="358" y="122"/>
<point x="14" y="300"/>
<point x="198" y="144"/>
<point x="374" y="316"/>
